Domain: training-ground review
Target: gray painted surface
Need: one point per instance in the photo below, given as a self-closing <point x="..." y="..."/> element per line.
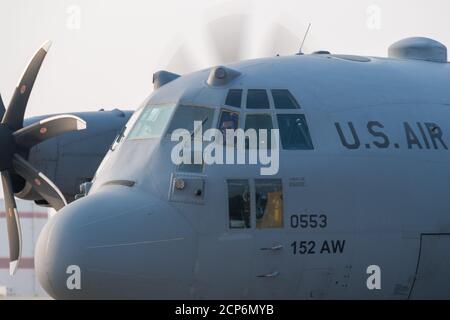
<point x="432" y="280"/>
<point x="138" y="242"/>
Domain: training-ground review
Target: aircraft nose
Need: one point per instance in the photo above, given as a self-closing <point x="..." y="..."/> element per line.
<point x="55" y="250"/>
<point x="116" y="243"/>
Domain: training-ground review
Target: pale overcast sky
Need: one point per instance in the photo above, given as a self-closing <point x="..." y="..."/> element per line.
<point x="105" y="51"/>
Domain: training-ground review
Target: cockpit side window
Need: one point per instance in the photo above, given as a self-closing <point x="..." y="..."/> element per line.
<point x="151" y="122"/>
<point x="283" y="99"/>
<point x="228" y="120"/>
<point x="294" y="132"/>
<point x="234" y="98"/>
<point x="257" y="99"/>
<point x="239" y="204"/>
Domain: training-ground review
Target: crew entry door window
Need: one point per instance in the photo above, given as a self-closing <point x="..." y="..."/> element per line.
<point x="238" y="203"/>
<point x="266" y="203"/>
<point x="269" y="203"/>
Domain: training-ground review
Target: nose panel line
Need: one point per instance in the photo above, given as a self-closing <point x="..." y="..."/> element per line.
<point x="117" y="215"/>
<point x="134" y="243"/>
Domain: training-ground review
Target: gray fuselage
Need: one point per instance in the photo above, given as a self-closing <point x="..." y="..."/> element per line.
<point x="374" y="190"/>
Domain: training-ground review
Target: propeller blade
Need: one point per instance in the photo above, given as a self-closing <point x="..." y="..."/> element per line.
<point x="2" y="107"/>
<point x="16" y="109"/>
<point x="183" y="61"/>
<point x="46" y="129"/>
<point x="279" y="40"/>
<point x="43" y="185"/>
<point x="227" y="35"/>
<point x="13" y="223"/>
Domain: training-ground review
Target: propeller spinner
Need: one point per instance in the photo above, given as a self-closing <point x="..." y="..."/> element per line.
<point x="16" y="140"/>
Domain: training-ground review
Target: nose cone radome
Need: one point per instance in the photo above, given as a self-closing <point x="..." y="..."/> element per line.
<point x="116" y="243"/>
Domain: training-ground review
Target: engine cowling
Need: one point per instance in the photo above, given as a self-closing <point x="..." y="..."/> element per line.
<point x="73" y="158"/>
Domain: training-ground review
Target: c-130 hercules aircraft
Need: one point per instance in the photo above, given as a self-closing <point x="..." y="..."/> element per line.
<point x="363" y="180"/>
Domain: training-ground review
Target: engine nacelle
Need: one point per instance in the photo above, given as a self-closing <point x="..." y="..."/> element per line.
<point x="73" y="158"/>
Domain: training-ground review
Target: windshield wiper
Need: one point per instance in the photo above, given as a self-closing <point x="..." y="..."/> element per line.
<point x="194" y="130"/>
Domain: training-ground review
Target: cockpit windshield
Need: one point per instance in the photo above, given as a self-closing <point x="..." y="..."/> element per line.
<point x="185" y="116"/>
<point x="151" y="122"/>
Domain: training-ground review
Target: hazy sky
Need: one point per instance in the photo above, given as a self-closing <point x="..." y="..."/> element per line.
<point x="105" y="51"/>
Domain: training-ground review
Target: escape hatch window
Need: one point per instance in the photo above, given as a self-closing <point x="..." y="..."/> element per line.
<point x="234" y="98"/>
<point x="269" y="203"/>
<point x="283" y="99"/>
<point x="257" y="122"/>
<point x="257" y="99"/>
<point x="294" y="132"/>
<point x="238" y="204"/>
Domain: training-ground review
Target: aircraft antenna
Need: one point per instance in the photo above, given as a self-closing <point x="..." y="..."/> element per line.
<point x="304" y="38"/>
